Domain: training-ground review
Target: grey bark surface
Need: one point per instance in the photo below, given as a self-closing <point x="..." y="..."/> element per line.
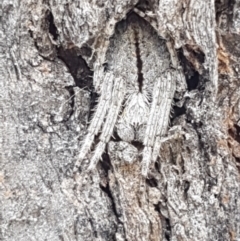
<point x="48" y="52"/>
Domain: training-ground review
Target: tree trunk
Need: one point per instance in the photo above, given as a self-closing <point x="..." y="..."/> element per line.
<point x="49" y="51"/>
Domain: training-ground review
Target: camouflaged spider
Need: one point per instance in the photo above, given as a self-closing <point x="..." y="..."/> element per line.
<point x="136" y="91"/>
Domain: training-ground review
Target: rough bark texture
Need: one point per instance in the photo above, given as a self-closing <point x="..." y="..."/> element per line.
<point x="48" y="50"/>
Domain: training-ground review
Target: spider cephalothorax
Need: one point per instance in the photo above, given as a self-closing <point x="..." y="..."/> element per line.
<point x="136" y="91"/>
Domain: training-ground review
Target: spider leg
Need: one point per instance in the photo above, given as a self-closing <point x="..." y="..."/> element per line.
<point x="163" y="125"/>
<point x="157" y="125"/>
<point x="98" y="65"/>
<point x="149" y="137"/>
<point x="118" y="94"/>
<point x="98" y="118"/>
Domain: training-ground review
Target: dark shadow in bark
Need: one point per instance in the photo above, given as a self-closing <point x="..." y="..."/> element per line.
<point x="80" y="71"/>
<point x="93" y="102"/>
<point x="106" y="166"/>
<point x="178" y="111"/>
<point x="106" y="163"/>
<point x="186" y="186"/>
<point x="144" y="5"/>
<point x="51" y="26"/>
<point x="235" y="133"/>
<point x="152" y="182"/>
<point x="193" y="81"/>
<point x="167" y="229"/>
<point x="166" y="226"/>
<point x="238" y="163"/>
<point x="107" y="190"/>
<point x="192" y="75"/>
<point x="77" y="67"/>
<point x="225" y="7"/>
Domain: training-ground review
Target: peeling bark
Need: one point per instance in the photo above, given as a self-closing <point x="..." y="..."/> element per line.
<point x="48" y="51"/>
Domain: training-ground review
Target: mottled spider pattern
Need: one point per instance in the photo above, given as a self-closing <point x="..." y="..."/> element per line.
<point x="136" y="92"/>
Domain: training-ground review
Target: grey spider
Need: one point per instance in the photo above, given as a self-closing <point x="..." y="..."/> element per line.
<point x="136" y="92"/>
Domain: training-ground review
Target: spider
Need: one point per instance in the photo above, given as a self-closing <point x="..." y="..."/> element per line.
<point x="136" y="91"/>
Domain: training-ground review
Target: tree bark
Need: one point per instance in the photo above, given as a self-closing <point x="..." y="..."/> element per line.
<point x="48" y="52"/>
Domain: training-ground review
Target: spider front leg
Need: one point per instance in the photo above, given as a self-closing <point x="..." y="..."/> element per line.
<point x="98" y="118"/>
<point x="149" y="16"/>
<point x="157" y="125"/>
<point x="117" y="98"/>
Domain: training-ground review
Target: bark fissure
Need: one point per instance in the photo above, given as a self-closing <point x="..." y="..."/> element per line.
<point x="51" y="26"/>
